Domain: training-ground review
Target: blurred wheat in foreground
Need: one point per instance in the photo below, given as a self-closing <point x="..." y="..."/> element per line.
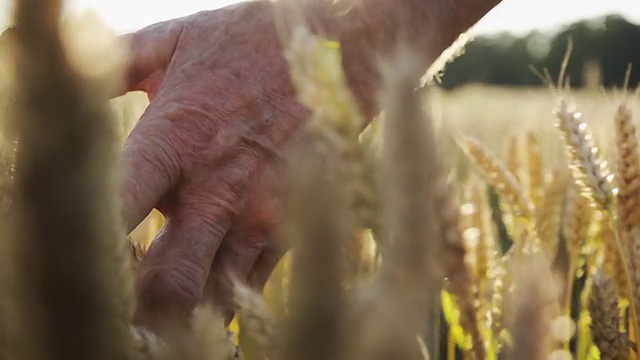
<point x="423" y="241"/>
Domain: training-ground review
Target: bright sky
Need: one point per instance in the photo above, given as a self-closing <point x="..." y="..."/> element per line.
<point x="512" y="15"/>
<point x="519" y="16"/>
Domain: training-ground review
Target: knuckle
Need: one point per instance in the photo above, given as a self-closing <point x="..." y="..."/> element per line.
<point x="151" y="145"/>
<point x="171" y="293"/>
<point x="161" y="160"/>
<point x="206" y="218"/>
<point x="218" y="218"/>
<point x="237" y="173"/>
<point x="220" y="191"/>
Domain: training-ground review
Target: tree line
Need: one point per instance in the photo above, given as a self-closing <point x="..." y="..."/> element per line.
<point x="602" y="49"/>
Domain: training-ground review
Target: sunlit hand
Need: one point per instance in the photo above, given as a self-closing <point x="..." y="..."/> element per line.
<point x="209" y="150"/>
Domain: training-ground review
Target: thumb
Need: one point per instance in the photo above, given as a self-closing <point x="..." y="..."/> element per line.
<point x="150" y="51"/>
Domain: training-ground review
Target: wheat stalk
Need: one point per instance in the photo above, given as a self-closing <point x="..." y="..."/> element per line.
<point x="410" y="274"/>
<point x="532" y="304"/>
<point x="314" y="324"/>
<point x="74" y="267"/>
<point x="335" y="122"/>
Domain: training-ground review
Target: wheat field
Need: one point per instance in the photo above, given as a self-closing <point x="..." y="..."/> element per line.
<point x="514" y="154"/>
<point x="482" y="223"/>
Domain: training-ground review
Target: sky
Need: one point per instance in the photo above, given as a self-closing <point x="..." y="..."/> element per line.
<point x="516" y="16"/>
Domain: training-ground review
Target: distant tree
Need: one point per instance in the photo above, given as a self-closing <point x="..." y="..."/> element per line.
<point x="602" y="49"/>
<point x="619" y="45"/>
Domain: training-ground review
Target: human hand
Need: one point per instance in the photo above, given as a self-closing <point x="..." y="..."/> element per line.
<point x="210" y="149"/>
<point x="208" y="153"/>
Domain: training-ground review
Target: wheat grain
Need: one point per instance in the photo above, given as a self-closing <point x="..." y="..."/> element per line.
<point x="512" y="157"/>
<point x="484" y="247"/>
<point x="612" y="264"/>
<point x="260" y="323"/>
<point x="452" y="257"/>
<point x="535" y="170"/>
<point x="605" y="317"/>
<point x="146" y="343"/>
<point x="577" y="219"/>
<point x="501" y="283"/>
<point x="497" y="175"/>
<point x="549" y="213"/>
<point x="633" y="263"/>
<point x="203" y="338"/>
<point x="589" y="171"/>
<point x="628" y="174"/>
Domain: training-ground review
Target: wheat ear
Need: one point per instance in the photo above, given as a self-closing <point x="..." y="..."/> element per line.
<point x="605" y="317"/>
<point x="512" y="157"/>
<point x="549" y="213"/>
<point x="484" y="246"/>
<point x="575" y="227"/>
<point x="260" y="323"/>
<point x="628" y="172"/>
<point x="315" y="325"/>
<point x="612" y="264"/>
<point x="452" y="254"/>
<point x="535" y="170"/>
<point x="589" y="171"/>
<point x="497" y="175"/>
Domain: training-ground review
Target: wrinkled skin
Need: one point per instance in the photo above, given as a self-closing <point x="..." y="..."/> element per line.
<point x="210" y="149"/>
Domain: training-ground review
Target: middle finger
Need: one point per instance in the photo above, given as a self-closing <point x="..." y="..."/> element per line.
<point x="174" y="270"/>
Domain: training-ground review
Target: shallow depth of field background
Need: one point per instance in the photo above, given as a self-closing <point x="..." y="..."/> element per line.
<point x="492" y="93"/>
